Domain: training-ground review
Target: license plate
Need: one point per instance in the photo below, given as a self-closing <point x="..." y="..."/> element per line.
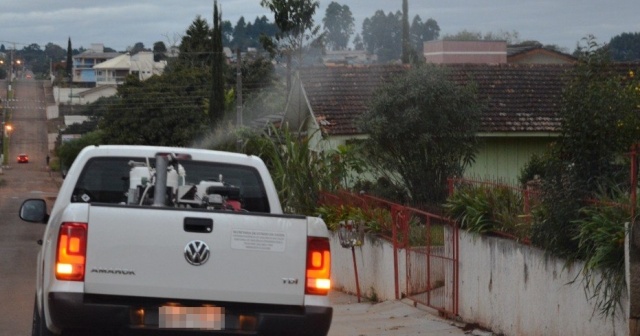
<point x="173" y="317"/>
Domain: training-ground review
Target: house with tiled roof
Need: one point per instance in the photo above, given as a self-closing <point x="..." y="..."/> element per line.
<point x="491" y="52"/>
<point x="537" y="55"/>
<point x="521" y="118"/>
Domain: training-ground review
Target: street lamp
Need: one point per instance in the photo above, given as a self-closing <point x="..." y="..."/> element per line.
<point x="5" y="142"/>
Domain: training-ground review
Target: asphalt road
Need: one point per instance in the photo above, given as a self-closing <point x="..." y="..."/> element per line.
<point x="18" y="247"/>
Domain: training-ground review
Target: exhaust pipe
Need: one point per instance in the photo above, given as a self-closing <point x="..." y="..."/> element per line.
<point x="160" y="187"/>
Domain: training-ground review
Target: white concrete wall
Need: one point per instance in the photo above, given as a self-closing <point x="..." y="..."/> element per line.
<point x="517" y="290"/>
<point x="52" y="137"/>
<point x="507" y="287"/>
<point x="375" y="268"/>
<point x="63" y="95"/>
<point x="53" y="112"/>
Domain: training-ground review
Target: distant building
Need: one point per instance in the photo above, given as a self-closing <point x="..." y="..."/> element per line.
<point x="459" y="52"/>
<point x="115" y="70"/>
<point x="83" y="64"/>
<point x="537" y="55"/>
<point x="349" y="57"/>
<point x="491" y="52"/>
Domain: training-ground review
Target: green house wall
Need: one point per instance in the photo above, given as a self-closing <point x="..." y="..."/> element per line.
<point x="502" y="158"/>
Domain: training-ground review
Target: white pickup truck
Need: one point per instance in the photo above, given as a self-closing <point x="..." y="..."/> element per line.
<point x="163" y="240"/>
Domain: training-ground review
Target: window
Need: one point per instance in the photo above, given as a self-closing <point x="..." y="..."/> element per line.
<point x="106" y="180"/>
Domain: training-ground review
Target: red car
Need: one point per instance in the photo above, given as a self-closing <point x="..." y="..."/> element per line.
<point x="23" y="158"/>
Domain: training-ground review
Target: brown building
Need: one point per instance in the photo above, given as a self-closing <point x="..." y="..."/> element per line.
<point x="491" y="52"/>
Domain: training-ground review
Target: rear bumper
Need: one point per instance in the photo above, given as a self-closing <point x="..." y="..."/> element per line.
<point x="77" y="311"/>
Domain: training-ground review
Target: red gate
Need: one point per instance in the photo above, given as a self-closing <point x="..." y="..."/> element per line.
<point x="425" y="249"/>
<point x="430" y="245"/>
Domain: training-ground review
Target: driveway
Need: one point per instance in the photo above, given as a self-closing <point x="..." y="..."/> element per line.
<point x="388" y="318"/>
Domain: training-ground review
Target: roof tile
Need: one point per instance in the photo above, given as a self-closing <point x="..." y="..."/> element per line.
<point x="520" y="97"/>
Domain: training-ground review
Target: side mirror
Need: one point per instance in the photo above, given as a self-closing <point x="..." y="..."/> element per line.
<point x="34" y="210"/>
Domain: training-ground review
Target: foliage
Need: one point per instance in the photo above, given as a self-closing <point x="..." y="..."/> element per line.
<point x="382" y="35"/>
<point x="138" y="47"/>
<point x="163" y="110"/>
<point x="159" y="51"/>
<point x="423" y="31"/>
<point x="69" y="65"/>
<point x="465" y="35"/>
<point x="534" y="168"/>
<point x="601" y="237"/>
<point x="384" y="188"/>
<point x="298" y="32"/>
<point x="246" y="34"/>
<point x="339" y="25"/>
<point x="422" y="130"/>
<point x="258" y="74"/>
<point x="299" y="173"/>
<point x="296" y="169"/>
<point x="68" y="151"/>
<point x="600" y="116"/>
<point x="625" y="47"/>
<point x="599" y="123"/>
<point x="488" y="209"/>
<point x="378" y="220"/>
<point x="333" y="215"/>
<point x="196" y="45"/>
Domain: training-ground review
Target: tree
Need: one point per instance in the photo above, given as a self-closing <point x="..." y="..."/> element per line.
<point x="358" y="44"/>
<point x="339" y="25"/>
<point x="600" y="122"/>
<point x="510" y="37"/>
<point x="227" y="33"/>
<point x="257" y="74"/>
<point x="196" y="45"/>
<point x="54" y="52"/>
<point x="69" y="66"/>
<point x="406" y="47"/>
<point x="216" y="101"/>
<point x="625" y="47"/>
<point x="68" y="151"/>
<point x="382" y="35"/>
<point x="159" y="51"/>
<point x="297" y="30"/>
<point x="261" y="26"/>
<point x="240" y="38"/>
<point x="422" y="130"/>
<point x="163" y="110"/>
<point x="423" y="31"/>
<point x="138" y="47"/>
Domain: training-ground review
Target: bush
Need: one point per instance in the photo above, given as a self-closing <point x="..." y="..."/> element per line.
<point x="535" y="167"/>
<point x="488" y="209"/>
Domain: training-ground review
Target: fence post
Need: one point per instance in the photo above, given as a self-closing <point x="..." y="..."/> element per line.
<point x="396" y="213"/>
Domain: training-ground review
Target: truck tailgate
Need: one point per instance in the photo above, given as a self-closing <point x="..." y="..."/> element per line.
<point x="150" y="252"/>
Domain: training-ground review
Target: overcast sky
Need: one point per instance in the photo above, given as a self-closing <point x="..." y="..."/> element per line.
<point x="119" y="24"/>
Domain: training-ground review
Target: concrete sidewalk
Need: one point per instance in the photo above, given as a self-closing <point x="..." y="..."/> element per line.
<point x="351" y="318"/>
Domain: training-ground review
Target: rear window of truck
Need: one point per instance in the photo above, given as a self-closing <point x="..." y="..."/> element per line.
<point x="110" y="180"/>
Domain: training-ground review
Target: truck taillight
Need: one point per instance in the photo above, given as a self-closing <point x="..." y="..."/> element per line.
<point x="318" y="280"/>
<point x="71" y="252"/>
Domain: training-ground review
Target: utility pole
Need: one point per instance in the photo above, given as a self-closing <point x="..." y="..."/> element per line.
<point x="11" y="67"/>
<point x="238" y="89"/>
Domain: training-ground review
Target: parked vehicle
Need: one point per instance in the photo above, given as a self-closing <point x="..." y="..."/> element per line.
<point x="149" y="239"/>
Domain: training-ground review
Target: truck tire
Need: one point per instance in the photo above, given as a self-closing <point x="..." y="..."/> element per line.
<point x="39" y="326"/>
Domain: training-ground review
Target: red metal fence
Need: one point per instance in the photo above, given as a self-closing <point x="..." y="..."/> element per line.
<point x="425" y="244"/>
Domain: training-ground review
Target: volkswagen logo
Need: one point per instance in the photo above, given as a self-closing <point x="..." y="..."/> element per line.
<point x="196" y="252"/>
